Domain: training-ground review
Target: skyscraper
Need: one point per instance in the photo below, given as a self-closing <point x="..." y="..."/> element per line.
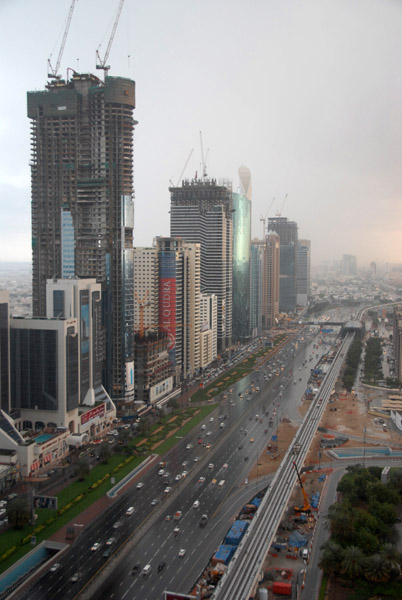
<point x="258" y="250"/>
<point x="4" y="351"/>
<point x="271" y="281"/>
<point x="82" y="204"/>
<point x="241" y="257"/>
<point x="287" y="231"/>
<point x="201" y="212"/>
<point x="303" y="267"/>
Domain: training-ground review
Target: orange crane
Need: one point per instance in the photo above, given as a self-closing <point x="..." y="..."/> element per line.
<point x="306" y="508"/>
<point x="142" y="304"/>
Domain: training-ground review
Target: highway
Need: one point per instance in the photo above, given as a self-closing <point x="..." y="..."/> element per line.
<point x="245" y="567"/>
<point x="146" y="537"/>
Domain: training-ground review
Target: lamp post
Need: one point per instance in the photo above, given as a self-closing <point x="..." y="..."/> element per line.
<point x="80" y="525"/>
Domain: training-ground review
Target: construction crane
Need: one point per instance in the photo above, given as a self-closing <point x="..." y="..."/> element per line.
<point x="306" y="508"/>
<point x="142" y="304"/>
<point x="279" y="212"/>
<point x="54" y="72"/>
<point x="203" y="158"/>
<point x="264" y="219"/>
<point x="184" y="168"/>
<point x="101" y="64"/>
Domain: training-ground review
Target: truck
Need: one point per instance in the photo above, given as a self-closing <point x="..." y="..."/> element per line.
<point x="177" y="515"/>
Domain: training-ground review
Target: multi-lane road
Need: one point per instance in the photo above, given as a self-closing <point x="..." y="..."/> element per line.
<point x="146" y="537"/>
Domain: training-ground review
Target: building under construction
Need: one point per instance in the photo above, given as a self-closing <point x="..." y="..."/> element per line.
<point x="82" y="204"/>
<point x="153" y="378"/>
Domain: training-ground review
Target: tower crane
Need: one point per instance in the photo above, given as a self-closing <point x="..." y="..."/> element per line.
<point x="264" y="219"/>
<point x="306" y="508"/>
<point x="203" y="158"/>
<point x="184" y="168"/>
<point x="101" y="64"/>
<point x="279" y="212"/>
<point x="142" y="304"/>
<point x="53" y="72"/>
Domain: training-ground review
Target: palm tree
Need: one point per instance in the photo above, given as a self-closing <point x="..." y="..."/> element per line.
<point x="82" y="469"/>
<point x="331" y="558"/>
<point x="341" y="521"/>
<point x="376" y="569"/>
<point x="353" y="562"/>
<point x="391" y="557"/>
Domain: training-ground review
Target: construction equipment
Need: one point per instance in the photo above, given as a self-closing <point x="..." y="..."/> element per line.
<point x="264" y="219"/>
<point x="203" y="158"/>
<point x="54" y="72"/>
<point x="142" y="304"/>
<point x="182" y="173"/>
<point x="101" y="64"/>
<point x="306" y="508"/>
<point x="279" y="212"/>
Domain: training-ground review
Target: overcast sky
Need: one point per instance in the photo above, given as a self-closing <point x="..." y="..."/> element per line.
<point x="306" y="93"/>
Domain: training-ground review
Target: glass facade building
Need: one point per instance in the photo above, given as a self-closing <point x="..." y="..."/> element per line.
<point x="241" y="267"/>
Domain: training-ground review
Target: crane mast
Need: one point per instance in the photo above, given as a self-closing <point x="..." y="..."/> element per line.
<point x="53" y="72"/>
<point x="101" y="64"/>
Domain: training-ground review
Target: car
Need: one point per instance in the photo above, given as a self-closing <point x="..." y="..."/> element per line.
<point x="196" y="458"/>
<point x="182" y="552"/>
<point x="110" y="541"/>
<point x="154" y="502"/>
<point x="251" y="440"/>
<point x="178" y="515"/>
<point x="161" y="472"/>
<point x="176" y="531"/>
<point x="211" y="466"/>
<point x="168" y="517"/>
<point x="305" y="553"/>
<point x="168" y="490"/>
<point x="95" y="547"/>
<point x="75" y="577"/>
<point x="199" y="441"/>
<point x="184" y="474"/>
<point x="140" y="485"/>
<point x="189" y="446"/>
<point x="116" y="525"/>
<point x="201" y="480"/>
<point x="3" y="503"/>
<point x="54" y="567"/>
<point x="178" y="477"/>
<point x="225" y="466"/>
<point x="209" y="433"/>
<point x="203" y="521"/>
<point x="146" y="570"/>
<point x="130" y="511"/>
<point x="196" y="504"/>
<point x="203" y="427"/>
<point x="107" y="553"/>
<point x="211" y="420"/>
<point x="161" y="566"/>
<point x="208" y="446"/>
<point x="184" y="463"/>
<point x="136" y="568"/>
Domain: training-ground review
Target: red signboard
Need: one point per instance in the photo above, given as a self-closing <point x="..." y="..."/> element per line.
<point x="167" y="308"/>
<point x="94" y="413"/>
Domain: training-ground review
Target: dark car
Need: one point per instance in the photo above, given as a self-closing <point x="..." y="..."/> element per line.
<point x="136" y="568"/>
<point x="161" y="566"/>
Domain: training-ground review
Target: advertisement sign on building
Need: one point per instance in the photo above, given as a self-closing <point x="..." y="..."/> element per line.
<point x="94" y="413"/>
<point x="45" y="502"/>
<point x="130" y="376"/>
<point x="167" y="298"/>
<point x="160" y="389"/>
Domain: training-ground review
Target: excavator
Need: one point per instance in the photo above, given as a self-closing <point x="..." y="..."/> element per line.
<point x="306" y="508"/>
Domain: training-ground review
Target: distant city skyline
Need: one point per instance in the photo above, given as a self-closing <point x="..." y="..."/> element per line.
<point x="305" y="99"/>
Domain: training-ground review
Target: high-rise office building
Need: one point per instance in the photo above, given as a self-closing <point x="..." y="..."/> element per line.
<point x="82" y="204"/>
<point x="349" y="265"/>
<point x="303" y="268"/>
<point x="4" y="351"/>
<point x="146" y="287"/>
<point x="287" y="231"/>
<point x="241" y="257"/>
<point x="271" y="280"/>
<point x="258" y="250"/>
<point x="201" y="212"/>
<point x="179" y="303"/>
<point x="209" y="328"/>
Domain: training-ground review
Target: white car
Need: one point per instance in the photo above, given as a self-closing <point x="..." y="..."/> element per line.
<point x="110" y="541"/>
<point x="196" y="459"/>
<point x="211" y="419"/>
<point x="182" y="552"/>
<point x="178" y="477"/>
<point x="168" y="490"/>
<point x="139" y="485"/>
<point x="196" y="504"/>
<point x="189" y="446"/>
<point x="184" y="474"/>
<point x="130" y="511"/>
<point x="95" y="547"/>
<point x="161" y="472"/>
<point x="203" y="427"/>
<point x="211" y="466"/>
<point x="54" y="567"/>
<point x="201" y="480"/>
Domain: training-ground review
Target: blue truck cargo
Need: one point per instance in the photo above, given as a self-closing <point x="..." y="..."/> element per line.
<point x="224" y="553"/>
<point x="236" y="532"/>
<point x="256" y="501"/>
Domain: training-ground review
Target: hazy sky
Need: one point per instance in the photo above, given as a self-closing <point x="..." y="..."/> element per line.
<point x="306" y="93"/>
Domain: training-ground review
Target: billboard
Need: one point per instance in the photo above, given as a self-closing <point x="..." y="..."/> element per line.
<point x="129" y="376"/>
<point x="94" y="413"/>
<point x="167" y="298"/>
<point x="160" y="389"/>
<point x="45" y="502"/>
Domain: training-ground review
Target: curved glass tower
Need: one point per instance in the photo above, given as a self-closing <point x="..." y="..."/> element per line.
<point x="241" y="257"/>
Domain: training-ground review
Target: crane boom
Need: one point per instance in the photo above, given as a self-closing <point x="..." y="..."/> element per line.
<point x="101" y="64"/>
<point x="184" y="168"/>
<point x="54" y="71"/>
<point x="306" y="507"/>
